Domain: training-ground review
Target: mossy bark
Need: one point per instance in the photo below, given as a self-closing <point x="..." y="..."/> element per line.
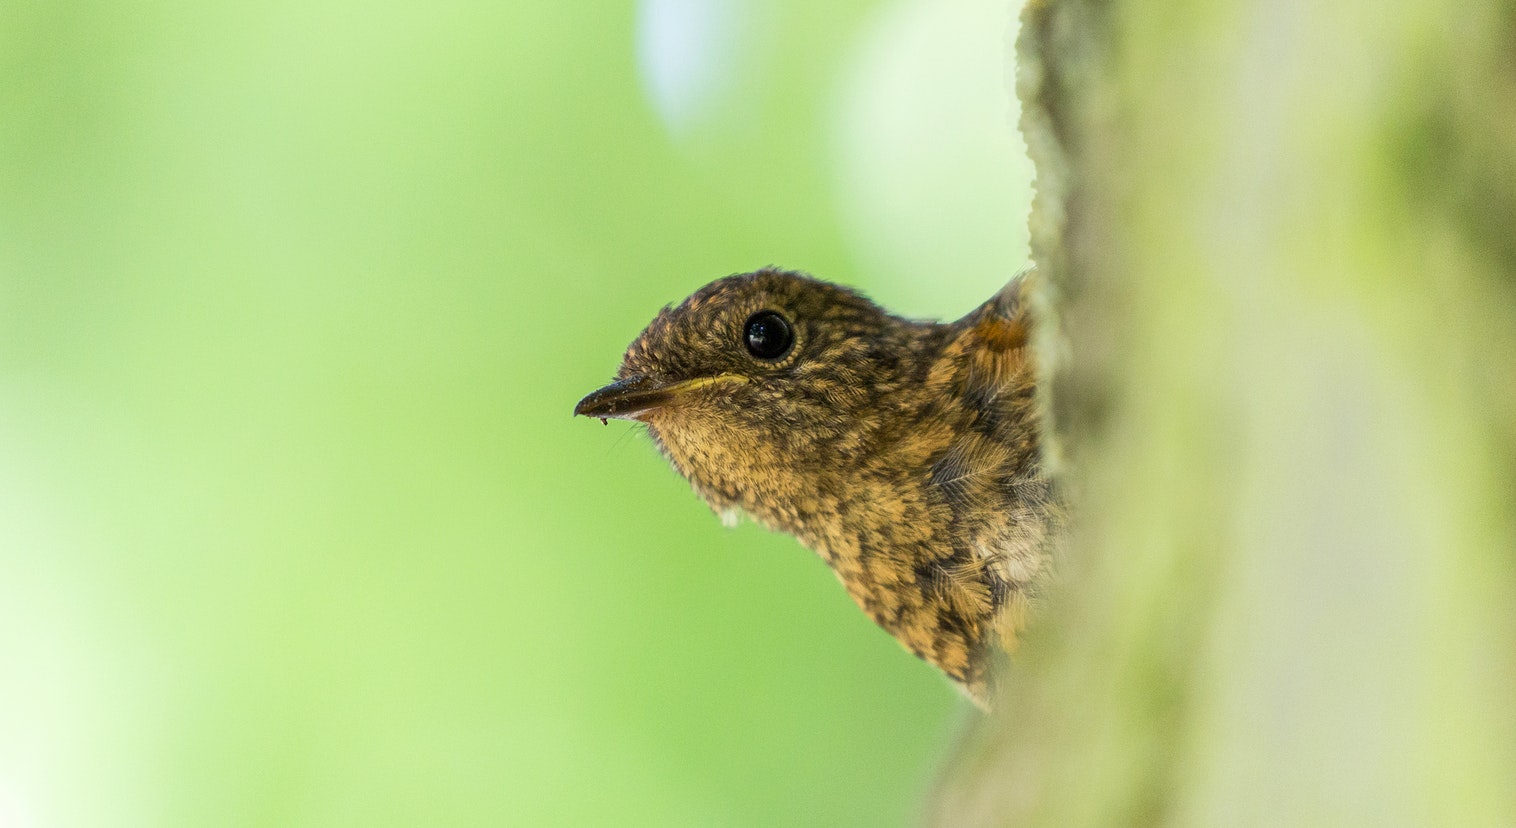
<point x="1278" y="246"/>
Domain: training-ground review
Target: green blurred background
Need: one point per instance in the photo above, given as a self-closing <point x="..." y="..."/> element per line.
<point x="295" y="300"/>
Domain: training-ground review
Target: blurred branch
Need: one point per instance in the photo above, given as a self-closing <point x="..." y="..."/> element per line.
<point x="1280" y="249"/>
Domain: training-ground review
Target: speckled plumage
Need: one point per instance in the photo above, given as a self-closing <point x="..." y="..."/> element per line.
<point x="904" y="453"/>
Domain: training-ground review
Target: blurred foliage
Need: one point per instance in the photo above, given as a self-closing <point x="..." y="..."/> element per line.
<point x="295" y="299"/>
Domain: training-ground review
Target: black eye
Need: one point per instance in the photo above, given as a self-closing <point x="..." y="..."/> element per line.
<point x="768" y="335"/>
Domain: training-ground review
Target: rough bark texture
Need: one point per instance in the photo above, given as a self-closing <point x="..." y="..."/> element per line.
<point x="1279" y="241"/>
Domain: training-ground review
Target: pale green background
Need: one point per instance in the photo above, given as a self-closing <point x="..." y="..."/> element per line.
<point x="295" y="300"/>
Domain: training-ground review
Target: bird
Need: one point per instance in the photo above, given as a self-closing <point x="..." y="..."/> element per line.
<point x="906" y="454"/>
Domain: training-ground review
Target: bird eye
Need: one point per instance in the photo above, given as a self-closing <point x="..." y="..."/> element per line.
<point x="768" y="335"/>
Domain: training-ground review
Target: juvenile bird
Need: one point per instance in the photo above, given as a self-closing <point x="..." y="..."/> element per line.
<point x="904" y="453"/>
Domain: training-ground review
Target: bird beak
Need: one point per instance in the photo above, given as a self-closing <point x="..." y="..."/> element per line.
<point x="630" y="398"/>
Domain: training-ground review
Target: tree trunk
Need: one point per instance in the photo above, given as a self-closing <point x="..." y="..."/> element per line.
<point x="1278" y="243"/>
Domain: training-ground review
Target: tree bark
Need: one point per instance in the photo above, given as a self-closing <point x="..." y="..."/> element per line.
<point x="1278" y="247"/>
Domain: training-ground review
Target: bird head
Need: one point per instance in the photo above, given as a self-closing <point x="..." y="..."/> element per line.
<point x="759" y="384"/>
